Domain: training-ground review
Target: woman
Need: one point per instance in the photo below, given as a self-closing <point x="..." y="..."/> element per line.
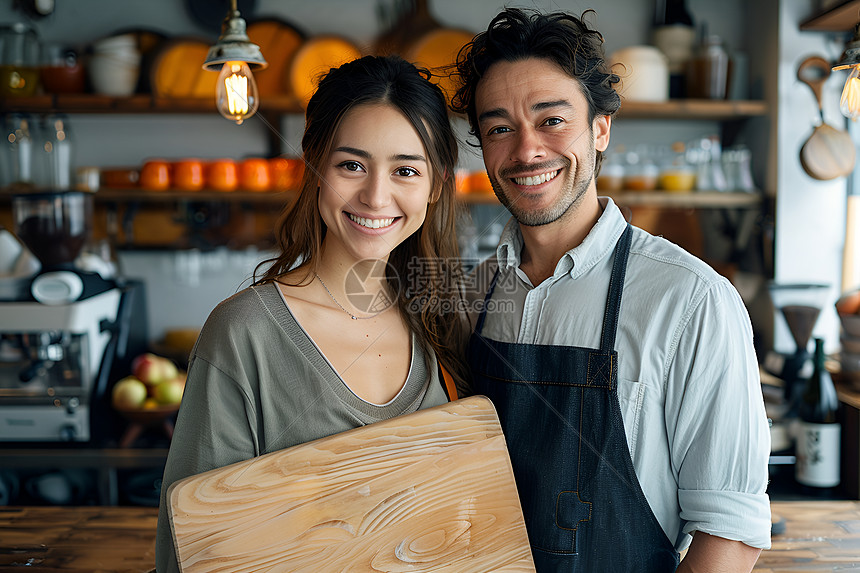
<point x="350" y="323"/>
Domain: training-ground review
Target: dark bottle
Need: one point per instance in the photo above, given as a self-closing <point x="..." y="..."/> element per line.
<point x="708" y="71"/>
<point x="819" y="432"/>
<point x="675" y="35"/>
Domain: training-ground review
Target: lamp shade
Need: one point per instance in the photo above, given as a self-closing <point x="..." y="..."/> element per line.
<point x="234" y="46"/>
<point x="851" y="55"/>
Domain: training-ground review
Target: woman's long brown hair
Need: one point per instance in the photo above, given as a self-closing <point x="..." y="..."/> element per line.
<point x="424" y="268"/>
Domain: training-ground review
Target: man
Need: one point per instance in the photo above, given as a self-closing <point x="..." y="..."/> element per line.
<point x="626" y="380"/>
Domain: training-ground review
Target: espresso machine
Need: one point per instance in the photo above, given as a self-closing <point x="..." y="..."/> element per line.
<point x="67" y="333"/>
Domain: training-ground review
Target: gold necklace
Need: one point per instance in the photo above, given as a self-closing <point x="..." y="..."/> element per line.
<point x="352" y="316"/>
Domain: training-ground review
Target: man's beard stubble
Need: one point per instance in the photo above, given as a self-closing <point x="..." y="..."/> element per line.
<point x="573" y="189"/>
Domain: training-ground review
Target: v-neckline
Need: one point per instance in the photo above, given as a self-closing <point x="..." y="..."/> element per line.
<point x="331" y="373"/>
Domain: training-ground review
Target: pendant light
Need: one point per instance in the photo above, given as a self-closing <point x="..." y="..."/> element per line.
<point x="235" y="56"/>
<point x="849" y="104"/>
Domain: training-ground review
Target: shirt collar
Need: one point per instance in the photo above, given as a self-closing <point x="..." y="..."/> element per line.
<point x="599" y="242"/>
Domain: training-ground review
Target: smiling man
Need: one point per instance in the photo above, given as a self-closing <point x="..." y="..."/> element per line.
<point x="626" y="380"/>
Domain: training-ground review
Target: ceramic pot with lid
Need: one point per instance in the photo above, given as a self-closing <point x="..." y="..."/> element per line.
<point x="644" y="73"/>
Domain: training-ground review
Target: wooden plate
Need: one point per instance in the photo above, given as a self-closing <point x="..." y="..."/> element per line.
<point x="431" y="491"/>
<point x="436" y="50"/>
<point x="177" y="70"/>
<point x="315" y="58"/>
<point x="278" y="41"/>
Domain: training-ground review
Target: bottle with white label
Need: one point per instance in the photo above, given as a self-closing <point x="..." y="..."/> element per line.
<point x="675" y="36"/>
<point x="819" y="433"/>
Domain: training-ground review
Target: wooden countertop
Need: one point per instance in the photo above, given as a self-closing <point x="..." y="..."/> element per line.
<point x="819" y="536"/>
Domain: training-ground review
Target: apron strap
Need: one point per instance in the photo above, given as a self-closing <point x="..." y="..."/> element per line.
<point x="480" y="324"/>
<point x="616" y="285"/>
<point x="448" y="383"/>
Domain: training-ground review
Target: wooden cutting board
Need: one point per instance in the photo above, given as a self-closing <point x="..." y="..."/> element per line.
<point x="436" y="50"/>
<point x="177" y="70"/>
<point x="278" y="41"/>
<point x="314" y="59"/>
<point x="430" y="491"/>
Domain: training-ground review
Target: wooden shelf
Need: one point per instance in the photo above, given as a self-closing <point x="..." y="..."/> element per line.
<point x="146" y="196"/>
<point x="840" y="18"/>
<point x="136" y="104"/>
<point x="687" y="109"/>
<point x="144" y="104"/>
<point x="691" y="200"/>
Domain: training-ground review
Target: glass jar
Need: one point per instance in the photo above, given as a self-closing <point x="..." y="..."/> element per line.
<point x="56" y="152"/>
<point x="640" y="172"/>
<point x="676" y="174"/>
<point x="611" y="175"/>
<point x="707" y="156"/>
<point x="19" y="60"/>
<point x="736" y="164"/>
<point x="708" y="73"/>
<point x="61" y="71"/>
<point x="20" y="134"/>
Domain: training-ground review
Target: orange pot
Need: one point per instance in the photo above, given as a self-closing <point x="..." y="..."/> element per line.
<point x="222" y="175"/>
<point x="286" y="173"/>
<point x="188" y="174"/>
<point x="254" y="174"/>
<point x="461" y="181"/>
<point x="479" y="182"/>
<point x="155" y="175"/>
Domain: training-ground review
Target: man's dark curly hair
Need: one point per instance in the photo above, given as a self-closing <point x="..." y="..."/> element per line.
<point x="562" y="38"/>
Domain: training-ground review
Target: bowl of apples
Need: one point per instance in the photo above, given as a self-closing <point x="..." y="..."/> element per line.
<point x="151" y="393"/>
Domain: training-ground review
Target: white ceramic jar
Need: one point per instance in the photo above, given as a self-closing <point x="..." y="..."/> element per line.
<point x="114" y="67"/>
<point x="644" y="73"/>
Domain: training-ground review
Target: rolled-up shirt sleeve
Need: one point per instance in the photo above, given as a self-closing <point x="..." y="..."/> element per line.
<point x="716" y="421"/>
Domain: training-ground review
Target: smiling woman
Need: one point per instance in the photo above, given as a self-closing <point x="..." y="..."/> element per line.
<point x="375" y="189"/>
<point x="352" y="322"/>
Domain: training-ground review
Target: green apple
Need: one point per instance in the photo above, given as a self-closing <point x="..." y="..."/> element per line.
<point x="169" y="392"/>
<point x="128" y="394"/>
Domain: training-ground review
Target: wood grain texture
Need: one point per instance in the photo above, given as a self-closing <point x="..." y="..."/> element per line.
<point x="177" y="70"/>
<point x="819" y="536"/>
<point x="278" y="41"/>
<point x="431" y="491"/>
<point x="78" y="539"/>
<point x="828" y="153"/>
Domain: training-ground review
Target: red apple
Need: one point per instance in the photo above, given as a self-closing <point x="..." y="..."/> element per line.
<point x="152" y="369"/>
<point x="128" y="394"/>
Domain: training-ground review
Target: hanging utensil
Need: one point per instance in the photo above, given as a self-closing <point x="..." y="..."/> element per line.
<point x="829" y="152"/>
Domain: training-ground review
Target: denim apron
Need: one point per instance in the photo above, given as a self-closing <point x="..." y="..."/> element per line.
<point x="584" y="509"/>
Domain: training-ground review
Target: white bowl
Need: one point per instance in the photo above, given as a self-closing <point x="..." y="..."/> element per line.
<point x="121" y="43"/>
<point x="113" y="76"/>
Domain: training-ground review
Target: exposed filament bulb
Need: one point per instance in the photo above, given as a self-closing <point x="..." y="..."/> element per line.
<point x="236" y="96"/>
